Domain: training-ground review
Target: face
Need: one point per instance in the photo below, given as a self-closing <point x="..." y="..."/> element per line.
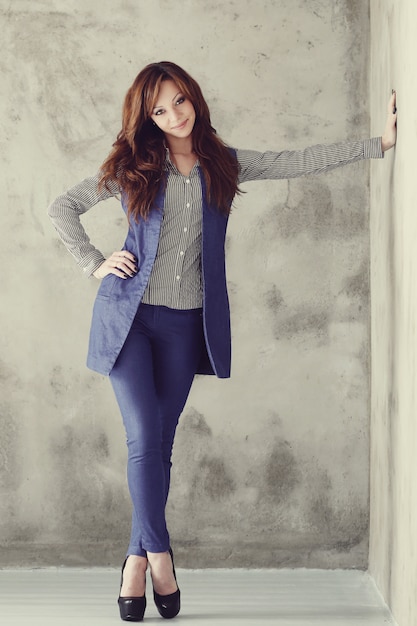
<point x="173" y="113"/>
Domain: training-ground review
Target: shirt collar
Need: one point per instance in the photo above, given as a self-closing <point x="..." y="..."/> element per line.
<point x="169" y="165"/>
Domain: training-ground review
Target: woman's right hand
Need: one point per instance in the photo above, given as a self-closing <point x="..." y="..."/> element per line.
<point x="121" y="263"/>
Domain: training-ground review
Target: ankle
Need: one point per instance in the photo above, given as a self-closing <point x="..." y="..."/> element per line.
<point x="138" y="563"/>
<point x="162" y="573"/>
<point x="134" y="576"/>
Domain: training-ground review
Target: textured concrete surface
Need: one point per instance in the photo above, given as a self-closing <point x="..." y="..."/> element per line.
<point x="271" y="467"/>
<point x="393" y="549"/>
<point x="63" y="597"/>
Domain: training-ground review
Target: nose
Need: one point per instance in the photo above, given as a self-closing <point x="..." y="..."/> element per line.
<point x="176" y="121"/>
<point x="175" y="115"/>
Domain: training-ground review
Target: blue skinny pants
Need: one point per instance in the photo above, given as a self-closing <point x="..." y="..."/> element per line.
<point x="152" y="378"/>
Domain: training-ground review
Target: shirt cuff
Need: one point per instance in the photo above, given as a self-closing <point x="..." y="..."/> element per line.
<point x="92" y="262"/>
<point x="372" y="148"/>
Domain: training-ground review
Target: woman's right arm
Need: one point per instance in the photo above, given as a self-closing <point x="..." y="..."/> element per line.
<point x="65" y="214"/>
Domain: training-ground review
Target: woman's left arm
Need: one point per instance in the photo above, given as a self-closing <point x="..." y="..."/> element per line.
<point x="316" y="159"/>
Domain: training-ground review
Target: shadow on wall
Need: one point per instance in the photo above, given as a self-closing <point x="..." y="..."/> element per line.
<point x="275" y="504"/>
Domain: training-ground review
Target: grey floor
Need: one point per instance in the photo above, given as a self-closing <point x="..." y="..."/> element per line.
<point x="87" y="597"/>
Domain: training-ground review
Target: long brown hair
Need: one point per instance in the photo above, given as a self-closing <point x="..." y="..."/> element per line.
<point x="137" y="160"/>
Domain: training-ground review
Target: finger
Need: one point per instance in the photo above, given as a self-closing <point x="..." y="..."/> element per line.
<point x="392" y="108"/>
<point x="131" y="266"/>
<point x="124" y="254"/>
<point x="124" y="268"/>
<point x="124" y="262"/>
<point x="127" y="267"/>
<point x="118" y="272"/>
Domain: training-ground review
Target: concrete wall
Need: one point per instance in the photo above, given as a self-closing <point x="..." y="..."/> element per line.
<point x="393" y="549"/>
<point x="271" y="467"/>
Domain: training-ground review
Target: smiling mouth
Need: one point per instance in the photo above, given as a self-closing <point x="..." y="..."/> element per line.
<point x="180" y="126"/>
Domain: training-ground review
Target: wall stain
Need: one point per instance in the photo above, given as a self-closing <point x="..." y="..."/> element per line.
<point x="305" y="320"/>
<point x="101" y="446"/>
<point x="310" y="208"/>
<point x="10" y="474"/>
<point x="351" y="10"/>
<point x="22" y="532"/>
<point x="90" y="507"/>
<point x="343" y="527"/>
<point x="273" y="299"/>
<point x="58" y="382"/>
<point x="10" y="467"/>
<point x="213" y="478"/>
<point x="320" y="511"/>
<point x="194" y="421"/>
<point x="281" y="471"/>
<point x="296" y="321"/>
<point x="313" y="212"/>
<point x="357" y="285"/>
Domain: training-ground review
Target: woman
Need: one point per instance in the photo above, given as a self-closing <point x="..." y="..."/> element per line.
<point x="161" y="314"/>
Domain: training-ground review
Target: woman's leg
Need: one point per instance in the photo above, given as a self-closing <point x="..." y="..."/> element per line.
<point x="151" y="379"/>
<point x="133" y="383"/>
<point x="179" y="346"/>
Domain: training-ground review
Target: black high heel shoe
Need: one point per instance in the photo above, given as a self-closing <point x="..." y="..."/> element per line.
<point x="131" y="609"/>
<point x="168" y="606"/>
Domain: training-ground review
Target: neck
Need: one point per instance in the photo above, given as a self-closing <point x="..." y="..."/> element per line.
<point x="180" y="146"/>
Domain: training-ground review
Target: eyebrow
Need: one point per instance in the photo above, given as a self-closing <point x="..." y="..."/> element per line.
<point x="159" y="106"/>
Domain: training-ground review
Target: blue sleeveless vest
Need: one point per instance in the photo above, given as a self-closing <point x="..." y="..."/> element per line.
<point x="118" y="300"/>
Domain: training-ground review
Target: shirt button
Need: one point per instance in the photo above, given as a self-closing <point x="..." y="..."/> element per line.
<point x="178" y="277"/>
<point x="182" y="253"/>
<point x="188" y="205"/>
<point x="188" y="181"/>
<point x="185" y="229"/>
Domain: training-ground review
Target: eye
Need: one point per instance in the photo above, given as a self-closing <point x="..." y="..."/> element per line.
<point x="180" y="100"/>
<point x="159" y="112"/>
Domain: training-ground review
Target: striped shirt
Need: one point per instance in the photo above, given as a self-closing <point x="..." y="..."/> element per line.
<point x="175" y="280"/>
